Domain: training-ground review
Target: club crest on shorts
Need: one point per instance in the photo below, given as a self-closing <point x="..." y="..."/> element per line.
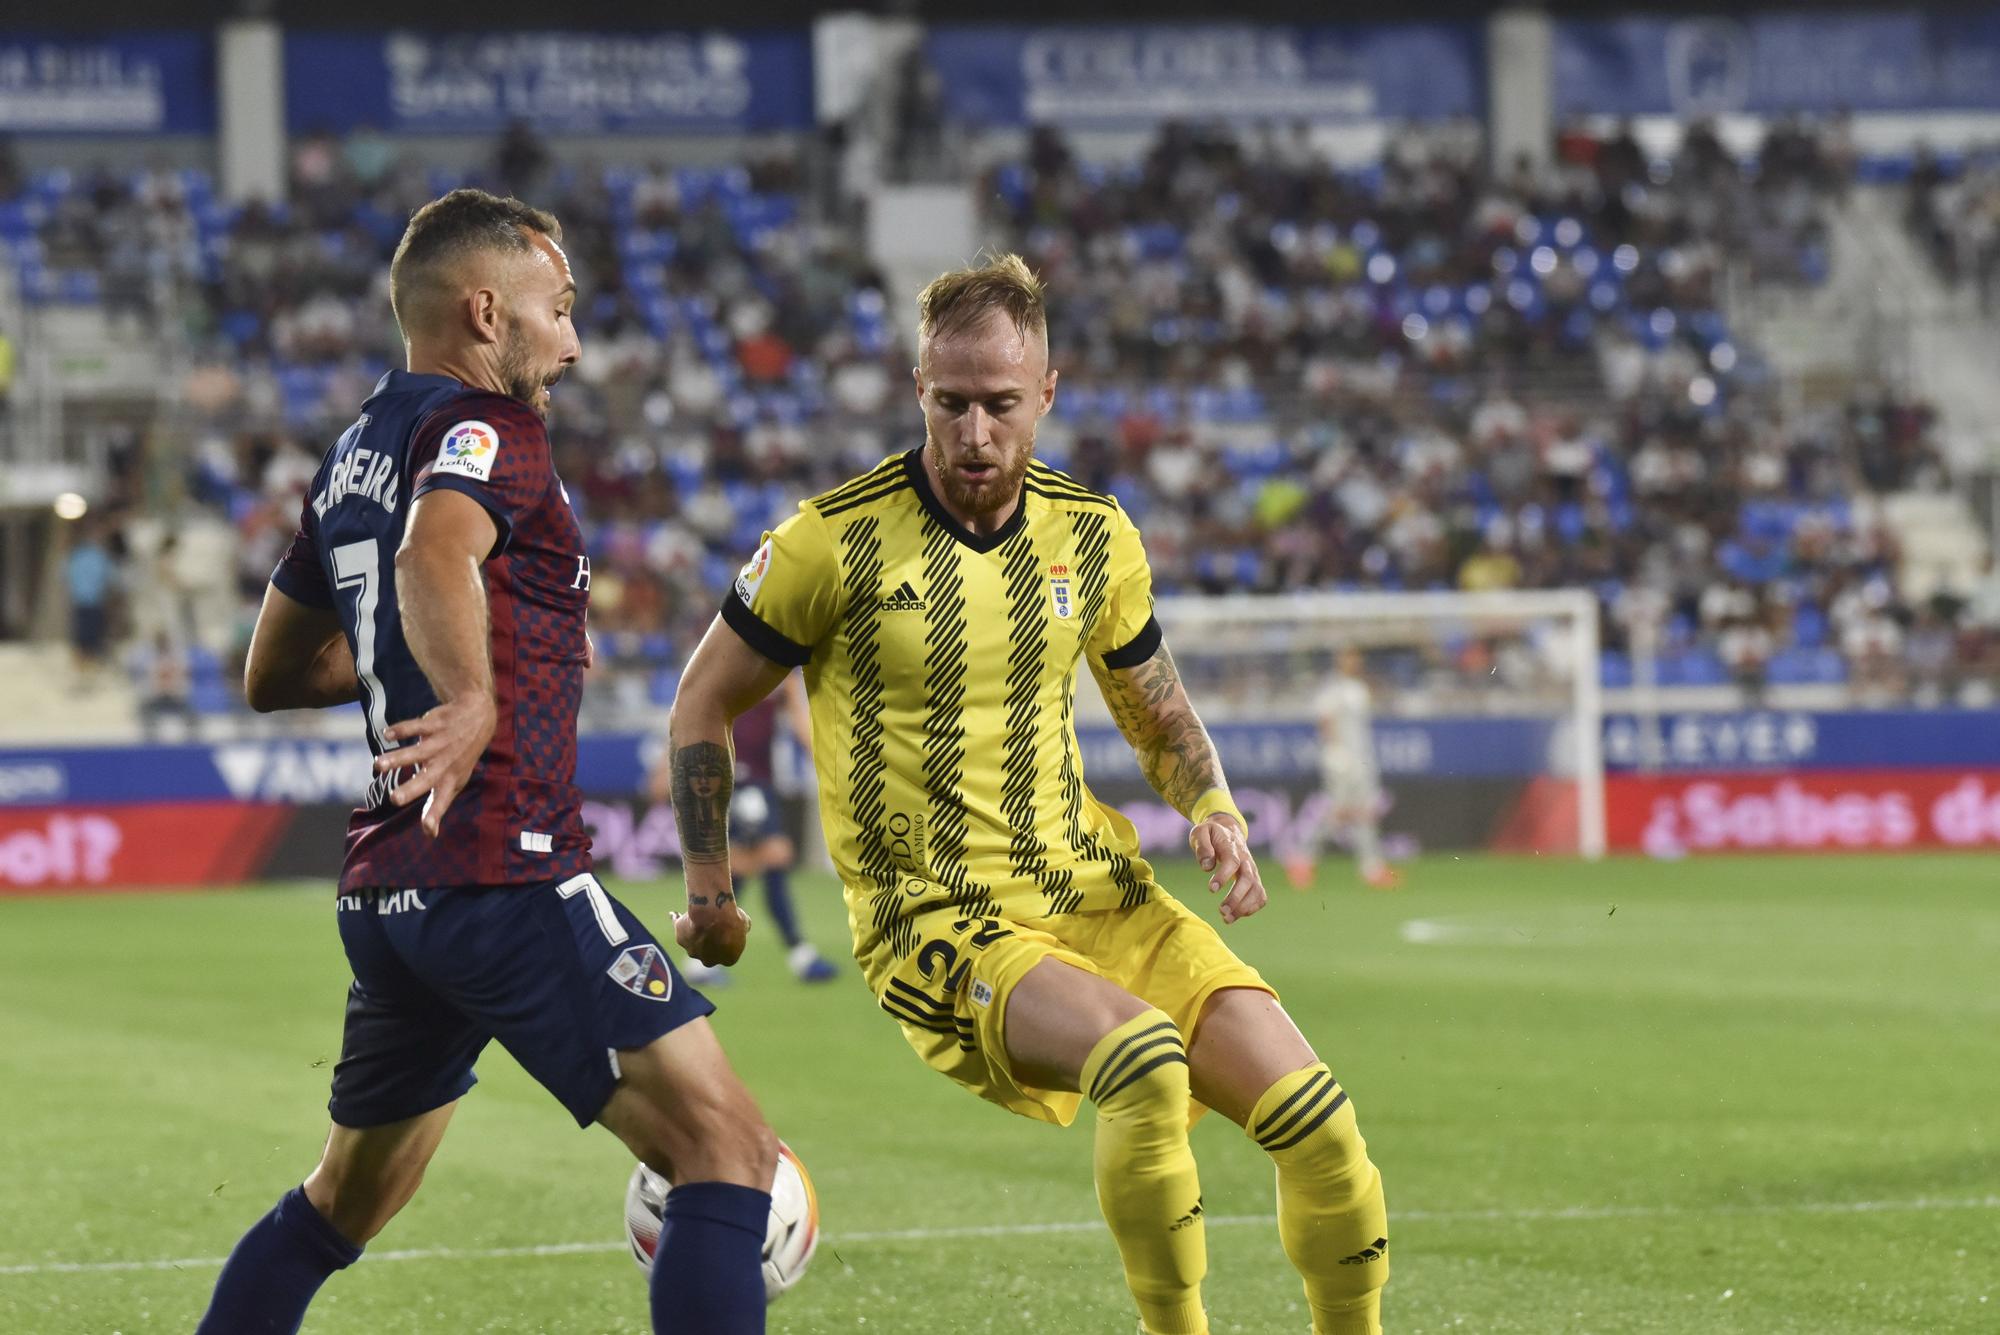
<point x="643" y="971"/>
<point x="1059" y="598"/>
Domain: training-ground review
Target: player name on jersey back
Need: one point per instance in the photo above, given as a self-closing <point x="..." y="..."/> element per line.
<point x="371" y="474"/>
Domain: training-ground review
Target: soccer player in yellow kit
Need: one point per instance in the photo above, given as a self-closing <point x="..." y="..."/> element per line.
<point x="939" y="605"/>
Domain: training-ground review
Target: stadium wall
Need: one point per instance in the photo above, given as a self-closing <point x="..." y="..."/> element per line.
<point x="129" y="816"/>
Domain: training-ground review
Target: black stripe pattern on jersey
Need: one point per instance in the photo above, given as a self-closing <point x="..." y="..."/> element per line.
<point x="861" y="544"/>
<point x="1300" y="1115"/>
<point x="1049" y="493"/>
<point x="868" y="481"/>
<point x="914" y="1007"/>
<point x="944" y="722"/>
<point x="888" y="487"/>
<point x="1151" y="1048"/>
<point x="1047" y="482"/>
<point x="1028" y="635"/>
<point x="1093" y="577"/>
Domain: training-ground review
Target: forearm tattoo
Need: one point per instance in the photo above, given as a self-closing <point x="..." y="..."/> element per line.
<point x="704" y="777"/>
<point x="1152" y="710"/>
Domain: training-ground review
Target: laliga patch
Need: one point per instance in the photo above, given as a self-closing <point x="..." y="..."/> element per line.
<point x="751" y="577"/>
<point x="642" y="971"/>
<point x="468" y="450"/>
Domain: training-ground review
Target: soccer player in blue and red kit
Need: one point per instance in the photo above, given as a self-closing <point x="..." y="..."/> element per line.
<point x="439" y="577"/>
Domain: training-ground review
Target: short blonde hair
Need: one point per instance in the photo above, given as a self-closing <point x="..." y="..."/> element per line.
<point x="954" y="302"/>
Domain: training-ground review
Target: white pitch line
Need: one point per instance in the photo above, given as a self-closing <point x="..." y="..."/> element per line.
<point x="1920" y="1205"/>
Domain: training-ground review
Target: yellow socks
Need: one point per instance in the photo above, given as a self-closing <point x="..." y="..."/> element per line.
<point x="1331" y="1215"/>
<point x="1137" y="1075"/>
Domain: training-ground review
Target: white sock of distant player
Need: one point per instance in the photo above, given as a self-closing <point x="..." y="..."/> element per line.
<point x="1368" y="847"/>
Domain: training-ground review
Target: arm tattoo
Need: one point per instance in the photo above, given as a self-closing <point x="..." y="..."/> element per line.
<point x="704" y="777"/>
<point x="1152" y="710"/>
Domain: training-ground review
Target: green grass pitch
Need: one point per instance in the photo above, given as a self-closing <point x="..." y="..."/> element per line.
<point x="1755" y="1096"/>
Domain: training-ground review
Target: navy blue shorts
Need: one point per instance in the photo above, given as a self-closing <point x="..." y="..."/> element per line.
<point x="561" y="973"/>
<point x="754" y="815"/>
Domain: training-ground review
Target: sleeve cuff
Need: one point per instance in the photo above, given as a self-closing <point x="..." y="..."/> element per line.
<point x="759" y="636"/>
<point x="296" y="589"/>
<point x="1142" y="647"/>
<point x="481" y="492"/>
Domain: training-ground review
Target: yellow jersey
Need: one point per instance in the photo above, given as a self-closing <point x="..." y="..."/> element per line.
<point x="941" y="669"/>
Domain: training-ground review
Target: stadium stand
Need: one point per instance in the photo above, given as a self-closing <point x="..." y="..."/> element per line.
<point x="1415" y="376"/>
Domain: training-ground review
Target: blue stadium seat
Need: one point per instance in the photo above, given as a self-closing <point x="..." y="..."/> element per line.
<point x="1807" y="667"/>
<point x="719" y="572"/>
<point x="1012" y="183"/>
<point x="19" y="222"/>
<point x="1700" y="667"/>
<point x="241" y="327"/>
<point x="1809" y="626"/>
<point x="1814" y="264"/>
<point x="211" y="697"/>
<point x="210" y="692"/>
<point x="81" y="287"/>
<point x="50" y="185"/>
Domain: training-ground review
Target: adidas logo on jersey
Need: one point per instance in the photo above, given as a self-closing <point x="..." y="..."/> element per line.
<point x="904" y="599"/>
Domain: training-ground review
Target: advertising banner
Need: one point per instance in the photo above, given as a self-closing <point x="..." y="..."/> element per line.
<point x="138" y="83"/>
<point x="1767" y="739"/>
<point x="1707" y="64"/>
<point x="1745" y="781"/>
<point x="1133" y="75"/>
<point x="650" y="82"/>
<point x="1827" y="811"/>
<point x="151" y="844"/>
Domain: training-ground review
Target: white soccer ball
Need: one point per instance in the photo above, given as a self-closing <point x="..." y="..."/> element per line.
<point x="788" y="1242"/>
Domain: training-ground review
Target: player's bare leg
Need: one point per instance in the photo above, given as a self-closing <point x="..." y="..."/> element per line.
<point x="680" y="1108"/>
<point x="367" y="1174"/>
<point x="683" y="1111"/>
<point x="1249" y="1062"/>
<point x="1069" y="1029"/>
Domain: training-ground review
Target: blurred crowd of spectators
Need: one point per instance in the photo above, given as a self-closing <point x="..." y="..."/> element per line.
<point x="1953" y="208"/>
<point x="1421" y="375"/>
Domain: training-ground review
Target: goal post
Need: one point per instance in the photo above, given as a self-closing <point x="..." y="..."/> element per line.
<point x="1487" y="705"/>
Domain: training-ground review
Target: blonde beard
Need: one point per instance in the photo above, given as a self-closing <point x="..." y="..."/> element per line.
<point x="1009" y="484"/>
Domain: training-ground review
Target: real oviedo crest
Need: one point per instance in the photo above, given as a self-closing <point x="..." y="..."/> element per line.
<point x="1060" y="601"/>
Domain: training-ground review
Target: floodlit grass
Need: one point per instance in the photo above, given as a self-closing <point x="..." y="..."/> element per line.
<point x="1752" y="1095"/>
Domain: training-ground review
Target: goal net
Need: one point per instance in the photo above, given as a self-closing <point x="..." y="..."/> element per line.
<point x="1484" y="710"/>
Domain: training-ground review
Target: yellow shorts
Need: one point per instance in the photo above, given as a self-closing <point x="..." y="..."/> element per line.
<point x="950" y="993"/>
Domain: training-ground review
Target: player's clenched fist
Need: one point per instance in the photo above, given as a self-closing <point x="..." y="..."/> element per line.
<point x="713" y="934"/>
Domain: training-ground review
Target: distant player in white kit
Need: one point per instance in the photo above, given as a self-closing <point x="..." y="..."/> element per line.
<point x="1348" y="777"/>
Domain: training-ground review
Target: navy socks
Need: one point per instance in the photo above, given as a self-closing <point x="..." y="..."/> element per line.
<point x="708" y="1275"/>
<point x="778" y="897"/>
<point x="275" y="1270"/>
